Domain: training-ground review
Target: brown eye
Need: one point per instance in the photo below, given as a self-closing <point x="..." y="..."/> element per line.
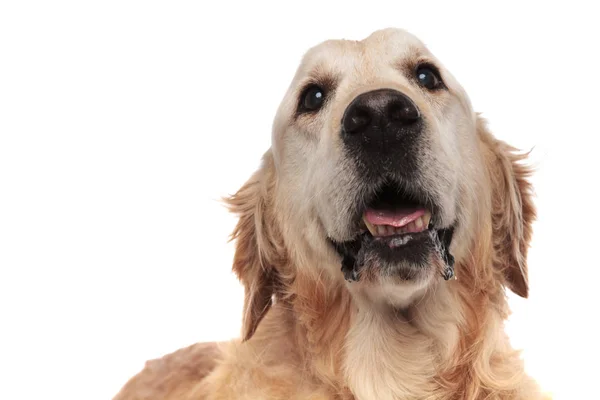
<point x="428" y="77"/>
<point x="312" y="98"/>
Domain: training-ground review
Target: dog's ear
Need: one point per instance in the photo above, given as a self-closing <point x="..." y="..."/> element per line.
<point x="513" y="211"/>
<point x="257" y="249"/>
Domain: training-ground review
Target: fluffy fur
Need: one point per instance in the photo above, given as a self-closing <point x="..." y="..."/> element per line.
<point x="308" y="334"/>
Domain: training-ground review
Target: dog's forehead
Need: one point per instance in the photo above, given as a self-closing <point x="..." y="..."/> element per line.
<point x="394" y="41"/>
<point x="383" y="46"/>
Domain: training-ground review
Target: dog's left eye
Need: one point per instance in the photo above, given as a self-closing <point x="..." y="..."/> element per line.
<point x="312" y="98"/>
<point x="428" y="77"/>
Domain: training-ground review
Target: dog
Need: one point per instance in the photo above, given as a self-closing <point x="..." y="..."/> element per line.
<point x="375" y="244"/>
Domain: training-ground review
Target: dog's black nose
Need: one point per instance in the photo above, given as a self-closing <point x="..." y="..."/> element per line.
<point x="383" y="131"/>
<point x="379" y="111"/>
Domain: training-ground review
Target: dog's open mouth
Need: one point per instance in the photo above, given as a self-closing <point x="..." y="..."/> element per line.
<point x="394" y="214"/>
<point x="396" y="234"/>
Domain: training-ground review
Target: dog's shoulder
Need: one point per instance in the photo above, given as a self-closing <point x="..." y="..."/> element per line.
<point x="173" y="375"/>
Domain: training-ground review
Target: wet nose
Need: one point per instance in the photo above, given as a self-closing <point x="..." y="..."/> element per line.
<point x="370" y="113"/>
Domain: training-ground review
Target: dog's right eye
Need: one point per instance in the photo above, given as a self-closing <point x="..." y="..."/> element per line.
<point x="312" y="98"/>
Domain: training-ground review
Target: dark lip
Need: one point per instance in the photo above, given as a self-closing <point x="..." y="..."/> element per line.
<point x="414" y="236"/>
<point x="414" y="250"/>
<point x="352" y="246"/>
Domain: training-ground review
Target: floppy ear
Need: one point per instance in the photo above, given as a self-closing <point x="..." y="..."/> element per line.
<point x="256" y="252"/>
<point x="513" y="211"/>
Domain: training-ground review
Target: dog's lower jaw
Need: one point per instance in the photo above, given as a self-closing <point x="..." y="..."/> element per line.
<point x="353" y="261"/>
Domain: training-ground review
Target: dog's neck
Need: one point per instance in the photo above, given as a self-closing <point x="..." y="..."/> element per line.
<point x="382" y="353"/>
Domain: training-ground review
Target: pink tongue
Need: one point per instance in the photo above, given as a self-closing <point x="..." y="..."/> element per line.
<point x="395" y="218"/>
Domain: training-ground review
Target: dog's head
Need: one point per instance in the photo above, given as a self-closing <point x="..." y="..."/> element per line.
<point x="380" y="173"/>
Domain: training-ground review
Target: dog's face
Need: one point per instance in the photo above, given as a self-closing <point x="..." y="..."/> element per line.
<point x="375" y="142"/>
<point x="380" y="172"/>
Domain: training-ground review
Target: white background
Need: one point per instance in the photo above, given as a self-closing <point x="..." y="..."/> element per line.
<point x="122" y="123"/>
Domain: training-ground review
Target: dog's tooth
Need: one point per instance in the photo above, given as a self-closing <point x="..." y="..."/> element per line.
<point x="415" y="227"/>
<point x="398" y="231"/>
<point x="372" y="229"/>
<point x="411" y="227"/>
<point x="426" y="218"/>
<point x="391" y="230"/>
<point x="381" y="230"/>
<point x="419" y="223"/>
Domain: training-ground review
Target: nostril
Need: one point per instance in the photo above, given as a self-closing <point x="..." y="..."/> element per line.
<point x="358" y="120"/>
<point x="403" y="112"/>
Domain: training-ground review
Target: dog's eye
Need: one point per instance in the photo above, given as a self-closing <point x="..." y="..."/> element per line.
<point x="428" y="77"/>
<point x="312" y="98"/>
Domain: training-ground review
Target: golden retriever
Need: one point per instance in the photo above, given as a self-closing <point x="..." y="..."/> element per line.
<point x="375" y="244"/>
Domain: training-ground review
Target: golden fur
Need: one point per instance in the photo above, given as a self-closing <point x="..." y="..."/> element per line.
<point x="307" y="334"/>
